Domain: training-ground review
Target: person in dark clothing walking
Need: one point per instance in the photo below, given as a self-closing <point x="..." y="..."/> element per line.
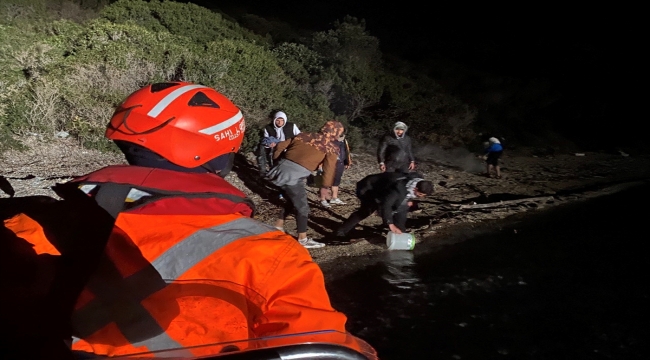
<point x="391" y="194"/>
<point x="278" y="130"/>
<point x="395" y="150"/>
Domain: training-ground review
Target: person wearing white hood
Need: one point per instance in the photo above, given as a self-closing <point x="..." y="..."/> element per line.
<point x="395" y="150"/>
<point x="278" y="130"/>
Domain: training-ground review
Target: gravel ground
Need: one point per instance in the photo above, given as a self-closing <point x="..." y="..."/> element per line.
<point x="463" y="195"/>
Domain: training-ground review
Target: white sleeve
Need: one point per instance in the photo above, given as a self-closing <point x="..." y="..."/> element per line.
<point x="296" y="131"/>
<point x="266" y="133"/>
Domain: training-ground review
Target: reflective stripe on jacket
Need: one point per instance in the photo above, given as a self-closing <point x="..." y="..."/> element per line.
<point x="175" y="276"/>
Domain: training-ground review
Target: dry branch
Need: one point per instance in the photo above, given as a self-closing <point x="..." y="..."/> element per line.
<point x="506" y="203"/>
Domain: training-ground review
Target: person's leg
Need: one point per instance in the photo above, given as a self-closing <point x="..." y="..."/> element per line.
<point x="325" y="196"/>
<point x="365" y="210"/>
<point x="340" y="168"/>
<point x="493" y="161"/>
<point x="399" y="219"/>
<point x="261" y="159"/>
<point x="496" y="164"/>
<point x="335" y="197"/>
<point x="298" y="197"/>
<point x="269" y="157"/>
<point x="490" y="170"/>
<point x="397" y="160"/>
<point x="286" y="209"/>
<point x="397" y="166"/>
<point x="403" y="167"/>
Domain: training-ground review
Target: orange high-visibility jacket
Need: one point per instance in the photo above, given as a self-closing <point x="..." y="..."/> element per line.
<point x="186" y="265"/>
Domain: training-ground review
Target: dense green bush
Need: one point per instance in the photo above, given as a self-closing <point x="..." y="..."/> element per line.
<point x="355" y="59"/>
<point x="192" y="21"/>
<point x="60" y="71"/>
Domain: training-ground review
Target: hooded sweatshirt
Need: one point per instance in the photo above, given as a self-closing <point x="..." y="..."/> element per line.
<point x="391" y="144"/>
<point x="284" y="132"/>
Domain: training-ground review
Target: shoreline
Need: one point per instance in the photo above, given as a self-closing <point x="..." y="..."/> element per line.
<point x="463" y="195"/>
<point x="461" y="231"/>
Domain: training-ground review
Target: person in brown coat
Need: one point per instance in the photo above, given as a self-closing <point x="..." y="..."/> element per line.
<point x="343" y="163"/>
<point x="296" y="159"/>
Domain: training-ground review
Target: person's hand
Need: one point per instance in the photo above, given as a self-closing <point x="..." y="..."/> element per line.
<point x="412" y="165"/>
<point x="394" y="229"/>
<point x="382" y="167"/>
<point x="409" y="203"/>
<point x="347" y="167"/>
<point x="272" y="144"/>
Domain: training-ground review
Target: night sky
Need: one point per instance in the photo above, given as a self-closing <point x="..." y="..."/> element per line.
<point x="593" y="55"/>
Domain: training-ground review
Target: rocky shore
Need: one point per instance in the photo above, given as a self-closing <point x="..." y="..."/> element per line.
<point x="530" y="182"/>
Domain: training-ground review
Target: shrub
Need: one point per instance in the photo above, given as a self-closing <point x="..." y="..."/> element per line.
<point x="59" y="71"/>
<point x="197" y="23"/>
<point x="355" y="59"/>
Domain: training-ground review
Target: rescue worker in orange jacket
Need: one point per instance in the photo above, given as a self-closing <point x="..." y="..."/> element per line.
<point x="171" y="258"/>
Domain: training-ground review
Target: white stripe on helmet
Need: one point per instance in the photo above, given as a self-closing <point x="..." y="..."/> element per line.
<point x="222" y="125"/>
<point x="160" y="107"/>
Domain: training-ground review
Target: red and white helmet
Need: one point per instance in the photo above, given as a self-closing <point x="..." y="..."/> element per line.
<point x="187" y="124"/>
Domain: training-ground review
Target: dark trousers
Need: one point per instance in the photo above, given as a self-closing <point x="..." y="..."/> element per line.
<point x="264" y="157"/>
<point x="401" y="166"/>
<point x="366" y="209"/>
<point x="397" y="160"/>
<point x="296" y="199"/>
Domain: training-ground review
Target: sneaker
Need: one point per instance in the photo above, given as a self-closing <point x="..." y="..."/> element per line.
<point x="337" y="201"/>
<point x="309" y="243"/>
<point x="325" y="203"/>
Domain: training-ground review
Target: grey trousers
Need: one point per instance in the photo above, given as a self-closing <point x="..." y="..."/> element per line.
<point x="296" y="199"/>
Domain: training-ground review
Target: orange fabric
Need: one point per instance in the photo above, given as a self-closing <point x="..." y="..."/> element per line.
<point x="99" y="346"/>
<point x="25" y="227"/>
<point x="255" y="286"/>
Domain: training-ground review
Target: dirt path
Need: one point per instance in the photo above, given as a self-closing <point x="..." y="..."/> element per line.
<point x="463" y="194"/>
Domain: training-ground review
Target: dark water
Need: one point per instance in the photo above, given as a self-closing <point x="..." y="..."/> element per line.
<point x="569" y="283"/>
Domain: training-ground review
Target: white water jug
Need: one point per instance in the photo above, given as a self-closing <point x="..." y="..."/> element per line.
<point x="403" y="241"/>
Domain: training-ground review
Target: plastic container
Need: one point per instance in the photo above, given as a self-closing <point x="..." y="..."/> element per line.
<point x="403" y="241"/>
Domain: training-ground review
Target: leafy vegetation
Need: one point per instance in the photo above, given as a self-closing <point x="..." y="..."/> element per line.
<point x="65" y="66"/>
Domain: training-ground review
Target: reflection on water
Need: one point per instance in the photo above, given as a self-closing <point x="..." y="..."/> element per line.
<point x="400" y="272"/>
<point x="571" y="283"/>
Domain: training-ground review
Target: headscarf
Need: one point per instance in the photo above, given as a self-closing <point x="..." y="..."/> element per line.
<point x="325" y="139"/>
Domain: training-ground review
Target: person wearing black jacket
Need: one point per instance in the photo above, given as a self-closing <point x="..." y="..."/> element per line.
<point x="395" y="150"/>
<point x="391" y="194"/>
